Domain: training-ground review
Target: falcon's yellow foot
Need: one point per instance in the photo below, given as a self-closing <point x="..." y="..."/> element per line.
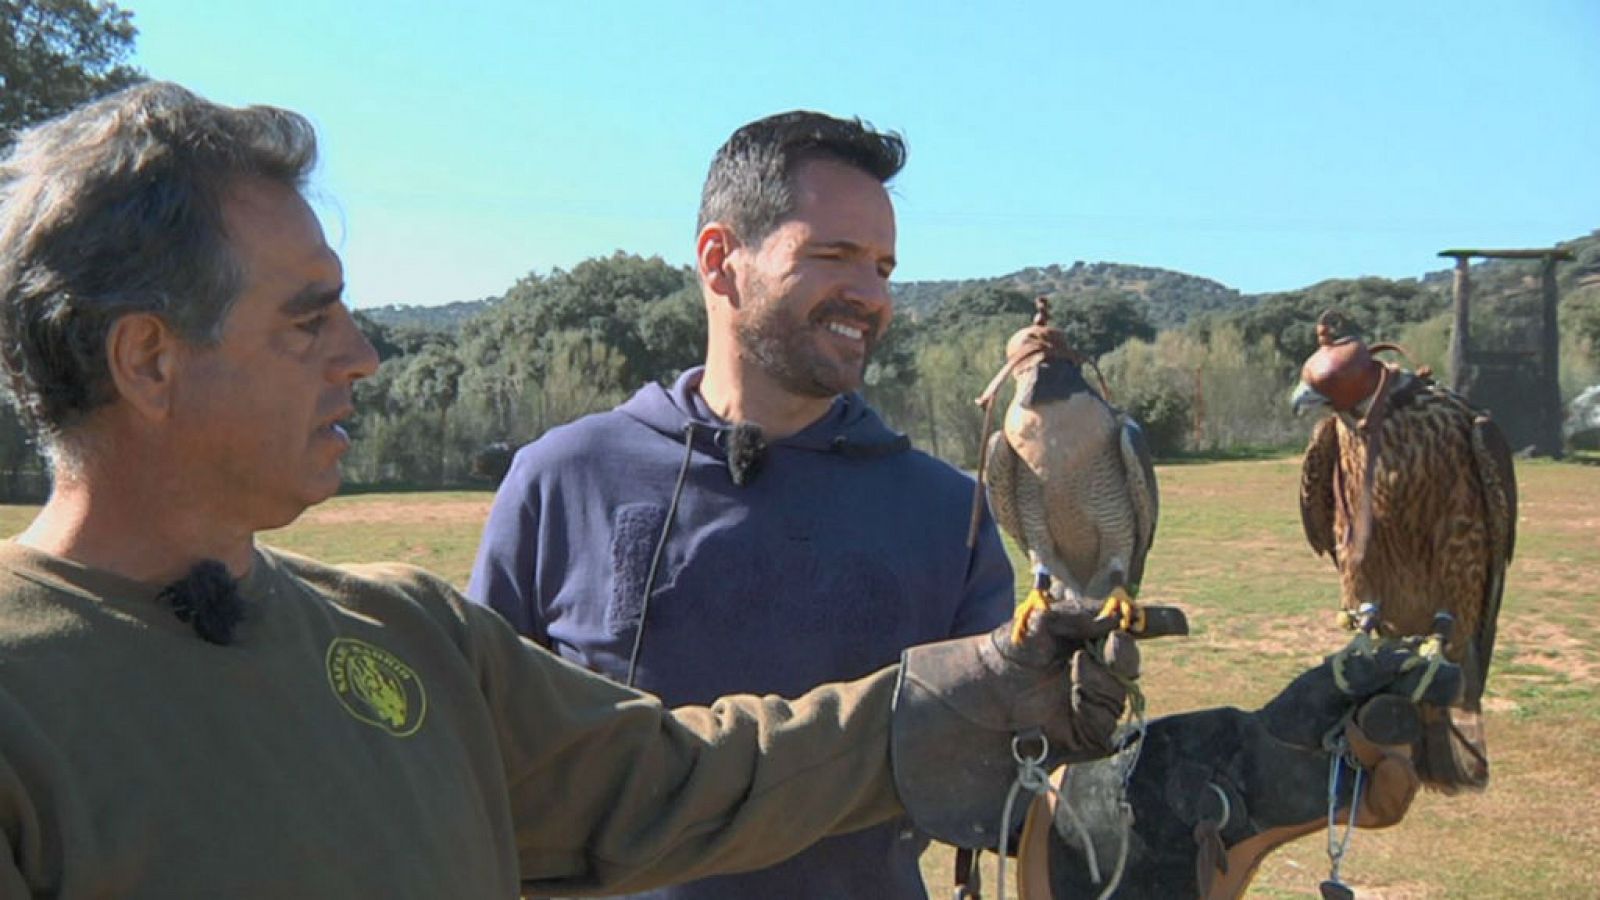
<point x="1121" y="606"/>
<point x="1432" y="648"/>
<point x="1431" y="654"/>
<point x="1037" y="601"/>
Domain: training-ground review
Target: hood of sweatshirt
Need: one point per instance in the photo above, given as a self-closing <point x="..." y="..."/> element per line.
<point x="850" y="427"/>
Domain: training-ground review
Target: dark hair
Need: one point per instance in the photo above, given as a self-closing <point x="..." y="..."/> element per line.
<point x="116" y="208"/>
<point x="749" y="187"/>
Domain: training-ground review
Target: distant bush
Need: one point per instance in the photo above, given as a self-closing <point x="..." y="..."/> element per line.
<point x="1428" y="344"/>
<point x="1206" y="392"/>
<point x="1162" y="409"/>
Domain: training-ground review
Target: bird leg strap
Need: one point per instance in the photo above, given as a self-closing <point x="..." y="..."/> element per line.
<point x="1429" y="655"/>
<point x="1423" y="372"/>
<point x="1215" y="791"/>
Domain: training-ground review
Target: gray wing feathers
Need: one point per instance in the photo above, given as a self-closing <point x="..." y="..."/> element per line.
<point x="1001" y="474"/>
<point x="1143" y="495"/>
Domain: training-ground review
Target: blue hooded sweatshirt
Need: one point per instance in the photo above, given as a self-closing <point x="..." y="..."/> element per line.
<point x="842" y="547"/>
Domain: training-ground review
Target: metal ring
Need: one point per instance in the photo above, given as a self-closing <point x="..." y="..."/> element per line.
<point x="1031" y="734"/>
<point x="1227" y="807"/>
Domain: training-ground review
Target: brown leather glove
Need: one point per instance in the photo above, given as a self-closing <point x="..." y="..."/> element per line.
<point x="1393" y="780"/>
<point x="960" y="703"/>
<point x="1216" y="790"/>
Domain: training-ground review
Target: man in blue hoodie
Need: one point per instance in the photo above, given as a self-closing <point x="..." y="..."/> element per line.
<point x="757" y="527"/>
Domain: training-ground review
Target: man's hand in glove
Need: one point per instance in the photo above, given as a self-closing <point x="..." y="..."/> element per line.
<point x="961" y="702"/>
<point x="1216" y="790"/>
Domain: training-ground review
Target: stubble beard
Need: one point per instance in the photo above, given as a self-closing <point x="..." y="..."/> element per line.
<point x="783" y="345"/>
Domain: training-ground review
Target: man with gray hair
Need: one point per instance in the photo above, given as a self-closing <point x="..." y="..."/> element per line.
<point x="186" y="713"/>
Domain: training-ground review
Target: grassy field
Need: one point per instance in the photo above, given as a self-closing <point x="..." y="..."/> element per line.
<point x="1231" y="552"/>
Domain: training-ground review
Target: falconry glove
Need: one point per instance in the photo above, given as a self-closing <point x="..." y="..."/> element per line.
<point x="1216" y="790"/>
<point x="959" y="704"/>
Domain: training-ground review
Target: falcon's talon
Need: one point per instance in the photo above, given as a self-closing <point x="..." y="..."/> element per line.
<point x="1036" y="601"/>
<point x="1431" y="647"/>
<point x="1128" y="613"/>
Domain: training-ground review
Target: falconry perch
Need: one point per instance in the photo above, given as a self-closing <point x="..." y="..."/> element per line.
<point x="1411" y="492"/>
<point x="1070" y="478"/>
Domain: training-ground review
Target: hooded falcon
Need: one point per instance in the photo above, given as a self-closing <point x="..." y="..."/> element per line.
<point x="1411" y="491"/>
<point x="1070" y="478"/>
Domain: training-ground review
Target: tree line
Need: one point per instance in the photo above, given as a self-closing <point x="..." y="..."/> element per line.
<point x="449" y="406"/>
<point x="451" y="403"/>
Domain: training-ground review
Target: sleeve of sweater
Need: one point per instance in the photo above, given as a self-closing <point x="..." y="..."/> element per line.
<point x="503" y="574"/>
<point x="611" y="792"/>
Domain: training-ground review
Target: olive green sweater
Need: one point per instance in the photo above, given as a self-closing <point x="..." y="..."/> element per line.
<point x="369" y="734"/>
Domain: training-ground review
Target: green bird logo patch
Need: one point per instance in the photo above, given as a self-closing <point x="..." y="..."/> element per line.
<point x="376" y="687"/>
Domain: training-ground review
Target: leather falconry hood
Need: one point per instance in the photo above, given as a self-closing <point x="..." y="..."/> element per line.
<point x="1039" y="339"/>
<point x="1342" y="369"/>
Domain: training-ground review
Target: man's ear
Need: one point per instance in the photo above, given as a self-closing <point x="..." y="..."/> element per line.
<point x="142" y="356"/>
<point x="714" y="260"/>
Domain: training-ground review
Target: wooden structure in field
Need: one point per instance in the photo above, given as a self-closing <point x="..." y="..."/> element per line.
<point x="1520" y="387"/>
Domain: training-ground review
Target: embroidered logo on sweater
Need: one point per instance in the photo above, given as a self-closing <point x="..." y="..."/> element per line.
<point x="376" y="687"/>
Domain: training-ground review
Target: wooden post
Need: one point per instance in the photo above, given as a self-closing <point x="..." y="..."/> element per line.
<point x="1460" y="333"/>
<point x="1542" y="398"/>
<point x="1550" y="438"/>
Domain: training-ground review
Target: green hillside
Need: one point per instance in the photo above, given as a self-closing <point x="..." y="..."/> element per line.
<point x="1170" y="298"/>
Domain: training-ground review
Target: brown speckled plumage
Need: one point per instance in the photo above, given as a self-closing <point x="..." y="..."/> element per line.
<point x="1443" y="531"/>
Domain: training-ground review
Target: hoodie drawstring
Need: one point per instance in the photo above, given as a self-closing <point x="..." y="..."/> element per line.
<point x="661" y="546"/>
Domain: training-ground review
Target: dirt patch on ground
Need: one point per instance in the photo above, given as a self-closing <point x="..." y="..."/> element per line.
<point x="1561" y="505"/>
<point x="1189" y="491"/>
<point x="1574" y="526"/>
<point x="1405" y="890"/>
<point x="1552" y="647"/>
<point x="1530" y="577"/>
<point x="1496" y="705"/>
<point x="1542" y="644"/>
<point x="1310" y="634"/>
<point x="1261" y="545"/>
<point x="360" y="511"/>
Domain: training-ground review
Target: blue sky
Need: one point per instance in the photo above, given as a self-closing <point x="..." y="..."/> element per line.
<point x="1268" y="145"/>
